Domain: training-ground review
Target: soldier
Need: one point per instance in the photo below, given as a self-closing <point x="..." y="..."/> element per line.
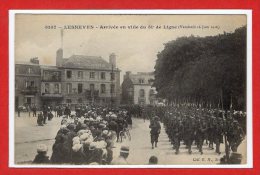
<point x="155" y="131"/>
<point x="189" y="133"/>
<point x="201" y="131"/>
<point x="218" y="133"/>
<point x="211" y="124"/>
<point x="177" y="132"/>
<point x="236" y="136"/>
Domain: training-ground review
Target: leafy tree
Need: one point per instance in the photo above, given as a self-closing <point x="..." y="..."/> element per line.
<point x="201" y="69"/>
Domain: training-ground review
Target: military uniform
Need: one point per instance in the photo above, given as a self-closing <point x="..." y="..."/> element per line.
<point x="155" y="131"/>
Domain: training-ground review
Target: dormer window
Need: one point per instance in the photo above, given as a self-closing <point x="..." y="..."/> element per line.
<point x="141" y="81"/>
<point x="29" y="70"/>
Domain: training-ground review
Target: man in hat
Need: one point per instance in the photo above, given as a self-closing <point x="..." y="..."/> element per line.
<point x="121" y="160"/>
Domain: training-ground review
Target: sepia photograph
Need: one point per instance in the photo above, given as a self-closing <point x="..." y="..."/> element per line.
<point x="128" y="89"/>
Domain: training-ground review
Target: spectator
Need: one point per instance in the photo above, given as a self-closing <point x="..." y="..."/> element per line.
<point x="41" y="157"/>
<point x="121" y="160"/>
<point x="153" y="160"/>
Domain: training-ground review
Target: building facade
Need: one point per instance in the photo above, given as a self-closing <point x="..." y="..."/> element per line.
<point x="27" y="83"/>
<point x="78" y="79"/>
<point x="51" y="89"/>
<point x="89" y="79"/>
<point x="137" y="89"/>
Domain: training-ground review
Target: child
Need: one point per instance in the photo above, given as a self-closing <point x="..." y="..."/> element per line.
<point x="40" y="119"/>
<point x="41" y="157"/>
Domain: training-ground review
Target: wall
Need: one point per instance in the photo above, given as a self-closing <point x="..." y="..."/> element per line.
<point x="146" y="88"/>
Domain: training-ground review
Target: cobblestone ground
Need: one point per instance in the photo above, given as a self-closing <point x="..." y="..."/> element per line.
<point x="28" y="135"/>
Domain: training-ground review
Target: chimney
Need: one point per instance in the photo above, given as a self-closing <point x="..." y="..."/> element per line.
<point x="127" y="74"/>
<point x="59" y="57"/>
<point x="112" y="59"/>
<point x="35" y="60"/>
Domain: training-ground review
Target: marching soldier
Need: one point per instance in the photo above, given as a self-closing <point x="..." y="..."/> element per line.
<point x="201" y="132"/>
<point x="155" y="131"/>
<point x="218" y="133"/>
<point x="189" y="133"/>
<point x="177" y="133"/>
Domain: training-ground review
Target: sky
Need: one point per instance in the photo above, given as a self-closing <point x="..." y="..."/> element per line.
<point x="136" y="48"/>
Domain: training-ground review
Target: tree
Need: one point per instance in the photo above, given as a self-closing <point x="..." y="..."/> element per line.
<point x="198" y="69"/>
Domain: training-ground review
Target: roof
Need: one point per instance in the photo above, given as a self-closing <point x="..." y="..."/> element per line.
<point x="87" y="62"/>
<point x="26" y="63"/>
<point x="49" y="67"/>
<point x="145" y="76"/>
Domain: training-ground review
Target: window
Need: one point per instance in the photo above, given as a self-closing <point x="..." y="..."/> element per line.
<point x="103" y="88"/>
<point x="46" y="75"/>
<point x="92" y="87"/>
<point x="28" y="100"/>
<point x="68" y="100"/>
<point x="56" y="88"/>
<point x="32" y="84"/>
<point x="112" y="88"/>
<point x="80" y="88"/>
<point x="103" y="75"/>
<point x="29" y="70"/>
<point x="55" y="76"/>
<point x="80" y="74"/>
<point x="141" y="93"/>
<point x="112" y="76"/>
<point x="47" y="88"/>
<point x="26" y="84"/>
<point x="69" y="88"/>
<point x="141" y="81"/>
<point x="92" y="75"/>
<point x="69" y="74"/>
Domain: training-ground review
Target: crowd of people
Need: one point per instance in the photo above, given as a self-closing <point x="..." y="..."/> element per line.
<point x="88" y="133"/>
<point x="87" y="136"/>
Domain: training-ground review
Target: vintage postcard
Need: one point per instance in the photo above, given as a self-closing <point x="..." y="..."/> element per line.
<point x="129" y="88"/>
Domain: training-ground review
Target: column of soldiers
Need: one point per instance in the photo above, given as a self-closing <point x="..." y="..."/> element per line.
<point x="191" y="125"/>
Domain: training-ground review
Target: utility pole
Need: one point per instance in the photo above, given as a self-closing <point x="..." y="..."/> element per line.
<point x="111" y="92"/>
<point x="225" y="128"/>
<point x="61" y="38"/>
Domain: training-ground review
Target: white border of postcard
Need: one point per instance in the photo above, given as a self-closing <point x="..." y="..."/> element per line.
<point x="248" y="13"/>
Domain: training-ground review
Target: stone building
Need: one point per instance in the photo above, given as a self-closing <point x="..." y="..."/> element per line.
<point x="78" y="79"/>
<point x="137" y="89"/>
<point x="27" y="83"/>
<point x="89" y="79"/>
